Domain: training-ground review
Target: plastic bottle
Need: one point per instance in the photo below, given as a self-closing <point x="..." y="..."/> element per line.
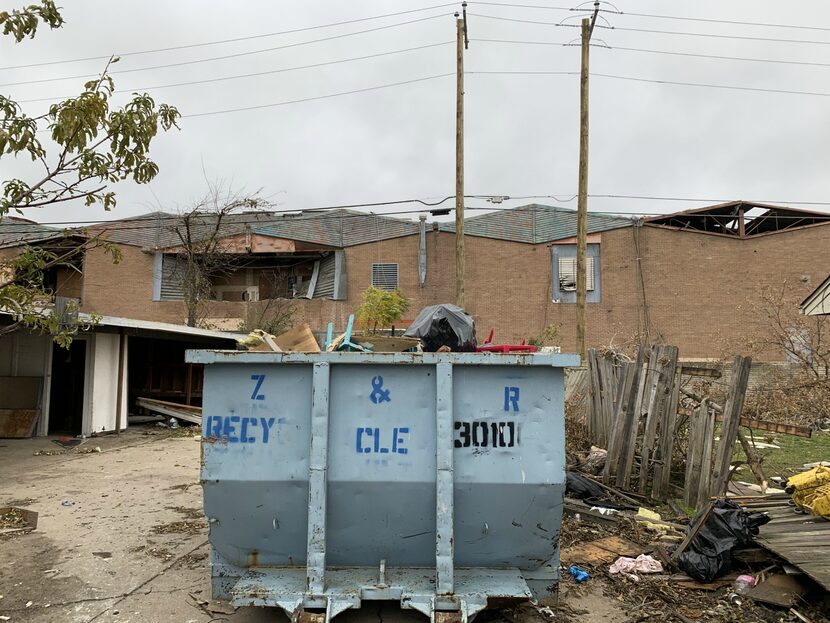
<point x="173" y="423"/>
<point x="743" y="583"/>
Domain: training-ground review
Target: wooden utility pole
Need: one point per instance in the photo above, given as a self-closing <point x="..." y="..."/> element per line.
<point x="461" y="45"/>
<point x="582" y="201"/>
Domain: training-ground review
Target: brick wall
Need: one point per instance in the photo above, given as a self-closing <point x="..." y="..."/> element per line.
<point x="697" y="286"/>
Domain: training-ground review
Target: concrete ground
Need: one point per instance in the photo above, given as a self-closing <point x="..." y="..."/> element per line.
<point x="130" y="546"/>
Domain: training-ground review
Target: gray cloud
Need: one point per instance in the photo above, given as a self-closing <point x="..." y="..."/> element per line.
<point x="521" y="131"/>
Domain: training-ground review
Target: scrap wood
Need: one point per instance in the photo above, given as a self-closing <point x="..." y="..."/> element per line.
<point x="188" y="413"/>
<point x="693" y="532"/>
<point x="613" y="491"/>
<point x="300" y="339"/>
<point x="773" y="427"/>
<point x="694" y="585"/>
<point x="779" y="590"/>
<point x="387" y="343"/>
<point x="600" y="551"/>
<point x="800" y="616"/>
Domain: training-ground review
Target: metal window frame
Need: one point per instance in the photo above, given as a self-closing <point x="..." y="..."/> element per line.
<point x="397" y="275"/>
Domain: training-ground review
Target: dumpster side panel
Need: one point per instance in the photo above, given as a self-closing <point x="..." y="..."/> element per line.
<point x="381" y="479"/>
<point x="256" y="437"/>
<point x="509" y="464"/>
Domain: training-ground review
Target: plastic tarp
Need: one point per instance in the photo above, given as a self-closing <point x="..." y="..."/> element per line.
<point x="444" y="325"/>
<point x="728" y="527"/>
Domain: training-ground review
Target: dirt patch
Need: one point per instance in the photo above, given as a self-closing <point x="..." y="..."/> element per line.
<point x="183" y="486"/>
<point x="179" y="527"/>
<point x="160" y="552"/>
<point x="24" y="502"/>
<point x="90" y="450"/>
<point x="189" y="513"/>
<point x="33" y="576"/>
<point x="194" y="560"/>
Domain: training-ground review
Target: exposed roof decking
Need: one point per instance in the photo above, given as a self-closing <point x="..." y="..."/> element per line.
<point x="740" y="219"/>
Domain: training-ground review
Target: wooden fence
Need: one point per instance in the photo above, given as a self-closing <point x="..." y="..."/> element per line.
<point x="633" y="412"/>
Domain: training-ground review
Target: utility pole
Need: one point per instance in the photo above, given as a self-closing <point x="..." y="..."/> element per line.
<point x="582" y="201"/>
<point x="461" y="44"/>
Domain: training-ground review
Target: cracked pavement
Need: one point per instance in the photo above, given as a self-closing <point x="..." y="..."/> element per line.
<point x="132" y="546"/>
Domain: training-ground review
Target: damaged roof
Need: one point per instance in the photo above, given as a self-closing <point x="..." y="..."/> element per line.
<point x="15" y="231"/>
<point x="337" y="228"/>
<point x="535" y="224"/>
<point x="740" y="219"/>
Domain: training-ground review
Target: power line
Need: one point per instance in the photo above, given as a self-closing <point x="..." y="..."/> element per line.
<point x="522" y="42"/>
<point x="259" y="73"/>
<point x="234" y="40"/>
<point x="717" y="21"/>
<point x="652" y="31"/>
<point x="526" y="6"/>
<point x="519" y="21"/>
<point x="655" y="81"/>
<point x="227" y="56"/>
<point x="526" y="73"/>
<point x="317" y="97"/>
<point x="713" y="86"/>
<point x="713" y="56"/>
<point x="669" y="52"/>
<point x="655" y="16"/>
<point x="712" y="35"/>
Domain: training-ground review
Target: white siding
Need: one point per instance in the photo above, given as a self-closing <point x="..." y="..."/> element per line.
<point x="104" y="349"/>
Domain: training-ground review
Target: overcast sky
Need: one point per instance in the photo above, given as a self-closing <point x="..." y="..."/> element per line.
<point x="522" y="132"/>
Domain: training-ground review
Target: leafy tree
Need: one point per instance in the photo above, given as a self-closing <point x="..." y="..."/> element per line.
<point x="94" y="145"/>
<point x="381" y="308"/>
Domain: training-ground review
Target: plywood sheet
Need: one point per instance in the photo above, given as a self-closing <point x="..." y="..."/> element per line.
<point x="600" y="552"/>
<point x="18" y="423"/>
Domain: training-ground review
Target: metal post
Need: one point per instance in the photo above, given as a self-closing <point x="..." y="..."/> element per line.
<point x="444" y="549"/>
<point x="318" y="460"/>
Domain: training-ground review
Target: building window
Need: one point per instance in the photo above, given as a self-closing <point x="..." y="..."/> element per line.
<point x="385" y="276"/>
<point x="567" y="274"/>
<point x="563" y="269"/>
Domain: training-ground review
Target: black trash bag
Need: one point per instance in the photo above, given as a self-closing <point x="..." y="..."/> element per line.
<point x="582" y="488"/>
<point x="728" y="527"/>
<point x="444" y="325"/>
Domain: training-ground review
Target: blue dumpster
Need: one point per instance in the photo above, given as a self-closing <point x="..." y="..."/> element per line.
<point x="432" y="479"/>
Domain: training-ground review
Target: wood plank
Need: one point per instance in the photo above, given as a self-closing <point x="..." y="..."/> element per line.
<point x="172" y="409"/>
<point x="705" y="481"/>
<point x="778" y="590"/>
<point x="650" y="426"/>
<point x="299" y="339"/>
<point x="713" y="373"/>
<point x="594" y="393"/>
<point x="609" y="377"/>
<point x="693" y="458"/>
<point x="600" y="551"/>
<point x="18" y="423"/>
<point x="731" y="423"/>
<point x="632" y="426"/>
<point x="662" y="472"/>
<point x="615" y="441"/>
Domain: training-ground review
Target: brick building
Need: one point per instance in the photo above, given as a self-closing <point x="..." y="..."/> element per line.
<point x="686" y="278"/>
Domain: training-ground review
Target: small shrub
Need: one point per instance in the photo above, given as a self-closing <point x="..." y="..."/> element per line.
<point x="381" y="308"/>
